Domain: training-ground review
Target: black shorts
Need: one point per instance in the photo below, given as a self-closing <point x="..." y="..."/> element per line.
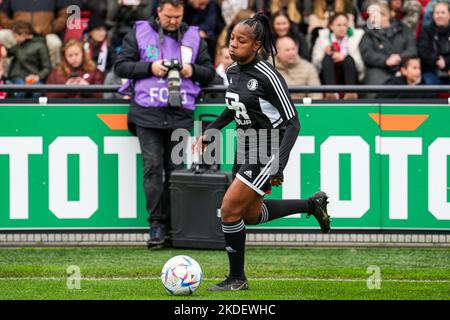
<point x="255" y="176"/>
<point x="256" y="159"/>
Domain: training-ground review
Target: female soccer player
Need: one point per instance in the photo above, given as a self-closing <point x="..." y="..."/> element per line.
<point x="258" y="100"/>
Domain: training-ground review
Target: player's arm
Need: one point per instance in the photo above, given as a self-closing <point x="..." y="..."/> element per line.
<point x="278" y="95"/>
<point x="222" y="121"/>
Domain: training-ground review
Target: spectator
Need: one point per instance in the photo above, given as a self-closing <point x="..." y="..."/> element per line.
<point x="3" y="55"/>
<point x="323" y="10"/>
<point x="98" y="44"/>
<point x="283" y="26"/>
<point x="384" y="48"/>
<point x="30" y="59"/>
<point x="151" y="116"/>
<point x="288" y="6"/>
<point x="231" y="8"/>
<point x="76" y="68"/>
<point x="96" y="8"/>
<point x="224" y="36"/>
<point x="206" y="15"/>
<point x="407" y="11"/>
<point x="122" y="14"/>
<point x="336" y="54"/>
<point x="434" y="46"/>
<point x="411" y="76"/>
<point x="224" y="62"/>
<point x="295" y="70"/>
<point x="47" y="17"/>
<point x="428" y="14"/>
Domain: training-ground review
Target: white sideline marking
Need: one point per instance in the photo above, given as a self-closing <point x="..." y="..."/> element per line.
<point x="219" y="279"/>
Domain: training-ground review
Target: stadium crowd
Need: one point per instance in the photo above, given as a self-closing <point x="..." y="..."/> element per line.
<point x="318" y="42"/>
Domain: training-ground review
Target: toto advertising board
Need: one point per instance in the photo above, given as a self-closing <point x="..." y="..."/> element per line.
<point x="77" y="167"/>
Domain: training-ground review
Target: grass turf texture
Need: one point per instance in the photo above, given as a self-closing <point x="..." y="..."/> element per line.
<point x="274" y="273"/>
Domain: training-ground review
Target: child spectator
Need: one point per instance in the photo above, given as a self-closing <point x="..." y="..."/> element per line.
<point x="98" y="45"/>
<point x="283" y="26"/>
<point x="434" y="46"/>
<point x="76" y="68"/>
<point x="295" y="70"/>
<point x="384" y="48"/>
<point x="410" y="75"/>
<point x="30" y="58"/>
<point x="323" y="10"/>
<point x="336" y="54"/>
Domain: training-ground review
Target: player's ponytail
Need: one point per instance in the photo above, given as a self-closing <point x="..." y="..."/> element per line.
<point x="262" y="28"/>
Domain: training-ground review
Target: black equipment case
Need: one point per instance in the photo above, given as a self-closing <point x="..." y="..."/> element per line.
<point x="196" y="197"/>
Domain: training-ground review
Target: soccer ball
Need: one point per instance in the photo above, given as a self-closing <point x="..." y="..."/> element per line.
<point x="181" y="275"/>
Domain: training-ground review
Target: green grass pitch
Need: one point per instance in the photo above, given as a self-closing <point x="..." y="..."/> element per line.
<point x="274" y="273"/>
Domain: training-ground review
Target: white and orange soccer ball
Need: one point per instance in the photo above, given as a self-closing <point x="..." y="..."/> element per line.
<point x="181" y="275"/>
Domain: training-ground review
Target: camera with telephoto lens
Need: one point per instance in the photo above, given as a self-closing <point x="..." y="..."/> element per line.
<point x="173" y="81"/>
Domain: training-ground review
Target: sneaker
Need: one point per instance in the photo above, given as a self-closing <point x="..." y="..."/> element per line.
<point x="231" y="284"/>
<point x="320" y="212"/>
<point x="157" y="236"/>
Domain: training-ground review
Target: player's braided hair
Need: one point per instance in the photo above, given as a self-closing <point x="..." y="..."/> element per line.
<point x="262" y="29"/>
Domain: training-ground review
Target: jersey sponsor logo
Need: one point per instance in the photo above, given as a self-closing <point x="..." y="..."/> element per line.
<point x="252" y="84"/>
<point x="248" y="173"/>
<point x="241" y="116"/>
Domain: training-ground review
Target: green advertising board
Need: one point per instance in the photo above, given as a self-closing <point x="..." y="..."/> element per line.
<point x="77" y="167"/>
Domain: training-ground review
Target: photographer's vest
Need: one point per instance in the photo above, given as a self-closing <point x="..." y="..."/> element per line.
<point x="153" y="91"/>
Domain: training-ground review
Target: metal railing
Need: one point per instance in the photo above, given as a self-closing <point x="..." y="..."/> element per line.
<point x="217" y="89"/>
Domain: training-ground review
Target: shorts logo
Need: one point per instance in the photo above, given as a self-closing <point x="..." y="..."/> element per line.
<point x="252" y="84"/>
<point x="230" y="249"/>
<point x="248" y="173"/>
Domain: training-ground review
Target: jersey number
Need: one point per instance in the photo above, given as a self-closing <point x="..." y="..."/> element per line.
<point x="232" y="100"/>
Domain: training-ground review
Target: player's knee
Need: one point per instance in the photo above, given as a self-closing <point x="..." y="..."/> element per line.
<point x="230" y="212"/>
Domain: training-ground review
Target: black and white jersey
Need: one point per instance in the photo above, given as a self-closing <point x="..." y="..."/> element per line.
<point x="258" y="96"/>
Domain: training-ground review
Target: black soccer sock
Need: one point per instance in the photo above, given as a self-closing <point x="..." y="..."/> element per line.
<point x="234" y="233"/>
<point x="274" y="209"/>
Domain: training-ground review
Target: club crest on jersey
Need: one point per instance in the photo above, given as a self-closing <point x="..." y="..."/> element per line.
<point x="252" y="84"/>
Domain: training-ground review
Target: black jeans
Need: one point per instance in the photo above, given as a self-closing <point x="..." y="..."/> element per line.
<point x="339" y="73"/>
<point x="156" y="147"/>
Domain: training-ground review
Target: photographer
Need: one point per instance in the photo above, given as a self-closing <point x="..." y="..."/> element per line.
<point x="166" y="61"/>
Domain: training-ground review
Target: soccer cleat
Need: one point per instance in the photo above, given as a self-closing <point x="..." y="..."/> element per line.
<point x="320" y="212"/>
<point x="231" y="284"/>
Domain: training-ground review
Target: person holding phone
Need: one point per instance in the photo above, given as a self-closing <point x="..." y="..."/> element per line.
<point x="76" y="68"/>
<point x="336" y="55"/>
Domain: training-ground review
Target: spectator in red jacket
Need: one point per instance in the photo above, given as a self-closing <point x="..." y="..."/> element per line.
<point x="76" y="68"/>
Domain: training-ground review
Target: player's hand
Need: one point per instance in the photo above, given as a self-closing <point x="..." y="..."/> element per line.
<point x="158" y="69"/>
<point x="198" y="146"/>
<point x="277" y="179"/>
<point x="187" y="70"/>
